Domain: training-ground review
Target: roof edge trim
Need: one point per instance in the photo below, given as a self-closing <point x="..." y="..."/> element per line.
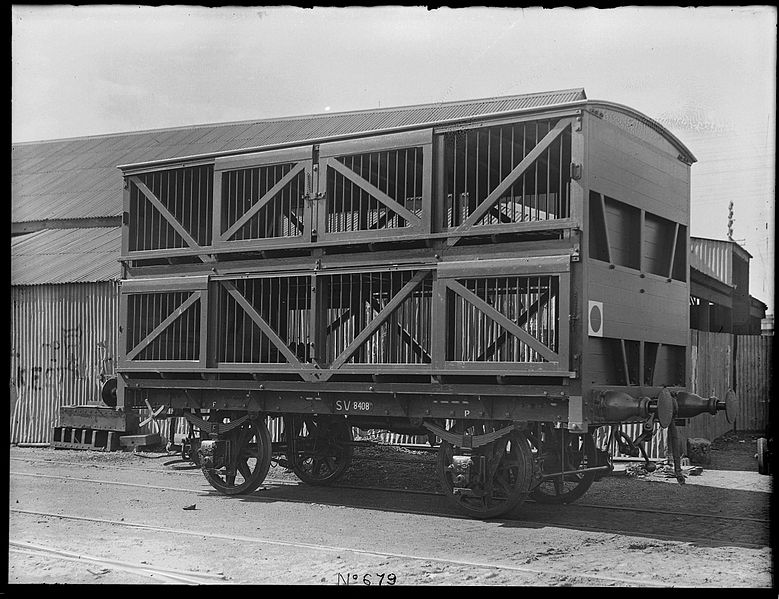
<point x="647" y="121"/>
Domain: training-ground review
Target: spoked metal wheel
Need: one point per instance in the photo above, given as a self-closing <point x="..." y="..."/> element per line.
<point x="247" y="461"/>
<point x="320" y="450"/>
<point x="498" y="475"/>
<point x="563" y="453"/>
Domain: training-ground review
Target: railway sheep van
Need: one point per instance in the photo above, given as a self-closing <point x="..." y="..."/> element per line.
<point x="507" y="284"/>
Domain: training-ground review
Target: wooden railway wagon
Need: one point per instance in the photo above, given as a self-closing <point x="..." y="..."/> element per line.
<point x="505" y="284"/>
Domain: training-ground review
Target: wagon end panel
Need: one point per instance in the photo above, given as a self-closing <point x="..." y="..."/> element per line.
<point x="635" y="309"/>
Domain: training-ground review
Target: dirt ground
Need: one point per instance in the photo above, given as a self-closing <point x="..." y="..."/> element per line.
<point x="297" y="534"/>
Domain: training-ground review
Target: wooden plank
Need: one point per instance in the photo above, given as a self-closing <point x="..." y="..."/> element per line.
<point x="673" y="251"/>
<point x="505" y="368"/>
<point x="641" y="240"/>
<point x="98" y="418"/>
<point x="440" y="322"/>
<point x="164" y="325"/>
<point x="509" y="120"/>
<point x="565" y="322"/>
<point x="377" y="193"/>
<point x="318" y="316"/>
<point x="625" y="364"/>
<point x="495" y="195"/>
<point x="125" y="250"/>
<point x="255" y="159"/>
<point x="438" y="209"/>
<point x="176" y="283"/>
<point x="502" y="320"/>
<point x="651" y="381"/>
<point x="536" y="265"/>
<point x="427" y="188"/>
<point x="391" y="141"/>
<point x="139" y="440"/>
<point x="216" y="208"/>
<point x="578" y="194"/>
<point x="267" y="197"/>
<point x="205" y="332"/>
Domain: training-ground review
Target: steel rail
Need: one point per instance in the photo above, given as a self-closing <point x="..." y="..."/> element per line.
<point x="284" y="482"/>
<point x="179" y="576"/>
<point x="340" y="549"/>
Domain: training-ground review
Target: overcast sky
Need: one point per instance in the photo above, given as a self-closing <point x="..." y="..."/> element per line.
<point x="708" y="74"/>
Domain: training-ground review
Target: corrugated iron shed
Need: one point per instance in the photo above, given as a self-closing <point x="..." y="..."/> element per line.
<point x="66" y="256"/>
<point x="715" y="257"/>
<point x="64" y="344"/>
<point x="77" y="178"/>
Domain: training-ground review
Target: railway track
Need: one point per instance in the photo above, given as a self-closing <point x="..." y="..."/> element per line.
<point x="578" y="525"/>
<point x="166" y="574"/>
<point x="284" y="482"/>
<point x="355" y="550"/>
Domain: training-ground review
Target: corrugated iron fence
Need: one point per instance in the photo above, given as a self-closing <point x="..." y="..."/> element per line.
<point x="63" y="346"/>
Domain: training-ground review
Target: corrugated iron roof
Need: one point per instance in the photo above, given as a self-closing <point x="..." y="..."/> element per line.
<point x="66" y="256"/>
<point x="78" y="178"/>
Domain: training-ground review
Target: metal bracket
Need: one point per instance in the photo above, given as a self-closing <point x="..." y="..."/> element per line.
<point x="469" y="441"/>
<point x="152" y="414"/>
<point x="576" y="414"/>
<point x="215" y="428"/>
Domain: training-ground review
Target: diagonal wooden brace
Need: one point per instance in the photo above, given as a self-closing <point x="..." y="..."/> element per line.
<point x="163" y="325"/>
<point x="374" y="324"/>
<point x="504" y="185"/>
<point x="172" y="220"/>
<point x="266" y="328"/>
<point x="508" y="324"/>
<point x="400" y="210"/>
<point x="267" y="197"/>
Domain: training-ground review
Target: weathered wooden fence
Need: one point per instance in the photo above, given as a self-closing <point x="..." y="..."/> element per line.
<point x="753" y="381"/>
<point x="711" y="373"/>
<point x="719" y="362"/>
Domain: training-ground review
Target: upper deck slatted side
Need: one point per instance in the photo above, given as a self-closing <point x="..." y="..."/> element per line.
<point x="476" y="180"/>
